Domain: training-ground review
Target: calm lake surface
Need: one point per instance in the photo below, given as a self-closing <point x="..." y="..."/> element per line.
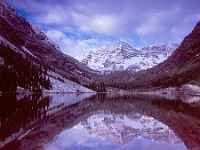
<point x="99" y="122"/>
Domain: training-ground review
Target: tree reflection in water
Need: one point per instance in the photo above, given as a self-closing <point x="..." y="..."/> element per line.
<point x="17" y="114"/>
<point x="33" y="121"/>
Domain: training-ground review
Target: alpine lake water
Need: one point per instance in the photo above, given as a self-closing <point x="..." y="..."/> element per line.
<point x="99" y="122"/>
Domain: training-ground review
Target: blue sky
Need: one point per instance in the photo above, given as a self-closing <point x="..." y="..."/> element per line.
<point x="81" y="25"/>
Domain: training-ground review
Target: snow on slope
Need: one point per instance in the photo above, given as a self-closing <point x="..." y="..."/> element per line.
<point x="1" y="61"/>
<point x="27" y="51"/>
<point x="60" y="84"/>
<point x="6" y="42"/>
<point x="27" y="39"/>
<point x="121" y="56"/>
<point x="13" y="47"/>
<point x="57" y="85"/>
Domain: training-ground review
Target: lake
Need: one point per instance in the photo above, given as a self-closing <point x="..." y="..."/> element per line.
<point x="99" y="122"/>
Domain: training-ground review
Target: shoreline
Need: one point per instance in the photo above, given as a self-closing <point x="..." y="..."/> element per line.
<point x="188" y="89"/>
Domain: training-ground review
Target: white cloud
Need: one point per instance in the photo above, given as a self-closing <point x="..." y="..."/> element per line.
<point x="104" y="24"/>
<point x="55" y="34"/>
<point x="150" y="26"/>
<point x="73" y="47"/>
<point x="142" y="22"/>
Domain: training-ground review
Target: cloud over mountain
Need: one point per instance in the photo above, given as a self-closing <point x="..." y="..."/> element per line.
<point x="139" y="23"/>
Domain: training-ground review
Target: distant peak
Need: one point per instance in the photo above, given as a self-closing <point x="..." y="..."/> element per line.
<point x="103" y="47"/>
<point x="121" y="43"/>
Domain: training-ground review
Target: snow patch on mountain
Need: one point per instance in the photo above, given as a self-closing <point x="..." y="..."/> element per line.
<point x="29" y="52"/>
<point x="60" y="84"/>
<point x="6" y="42"/>
<point x="1" y="61"/>
<point x="121" y="56"/>
<point x="28" y="40"/>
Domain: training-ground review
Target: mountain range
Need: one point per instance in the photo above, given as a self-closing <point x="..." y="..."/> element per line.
<point x="179" y="69"/>
<point x="30" y="61"/>
<point x="121" y="56"/>
<point x="182" y="67"/>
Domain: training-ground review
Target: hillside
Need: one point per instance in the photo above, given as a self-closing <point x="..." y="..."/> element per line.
<point x="29" y="43"/>
<point x="182" y="67"/>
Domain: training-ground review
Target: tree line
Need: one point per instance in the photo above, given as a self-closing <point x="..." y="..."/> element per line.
<point x="177" y="80"/>
<point x="17" y="70"/>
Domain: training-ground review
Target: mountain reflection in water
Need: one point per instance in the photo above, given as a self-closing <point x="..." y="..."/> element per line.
<point x="87" y="121"/>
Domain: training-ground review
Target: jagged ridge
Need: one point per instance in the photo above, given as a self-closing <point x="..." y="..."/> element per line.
<point x="121" y="56"/>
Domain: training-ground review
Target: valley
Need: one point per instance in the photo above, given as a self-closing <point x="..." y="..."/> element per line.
<point x="113" y="67"/>
<point x="86" y="75"/>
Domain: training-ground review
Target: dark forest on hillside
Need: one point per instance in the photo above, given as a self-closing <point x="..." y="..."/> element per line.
<point x="19" y="71"/>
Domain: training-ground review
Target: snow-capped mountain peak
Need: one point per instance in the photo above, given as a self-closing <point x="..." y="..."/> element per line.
<point x="121" y="56"/>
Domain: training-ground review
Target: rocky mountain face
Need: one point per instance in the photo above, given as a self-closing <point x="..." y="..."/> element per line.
<point x="189" y="50"/>
<point x="121" y="56"/>
<point x="34" y="46"/>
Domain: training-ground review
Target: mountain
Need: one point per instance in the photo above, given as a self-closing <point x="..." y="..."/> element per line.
<point x="24" y="44"/>
<point x="182" y="67"/>
<point x="30" y="61"/>
<point x="121" y="56"/>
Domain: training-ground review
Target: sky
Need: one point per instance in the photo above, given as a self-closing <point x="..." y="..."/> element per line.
<point x="78" y="26"/>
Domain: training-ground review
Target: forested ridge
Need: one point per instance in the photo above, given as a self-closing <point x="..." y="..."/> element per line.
<point x="20" y="71"/>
